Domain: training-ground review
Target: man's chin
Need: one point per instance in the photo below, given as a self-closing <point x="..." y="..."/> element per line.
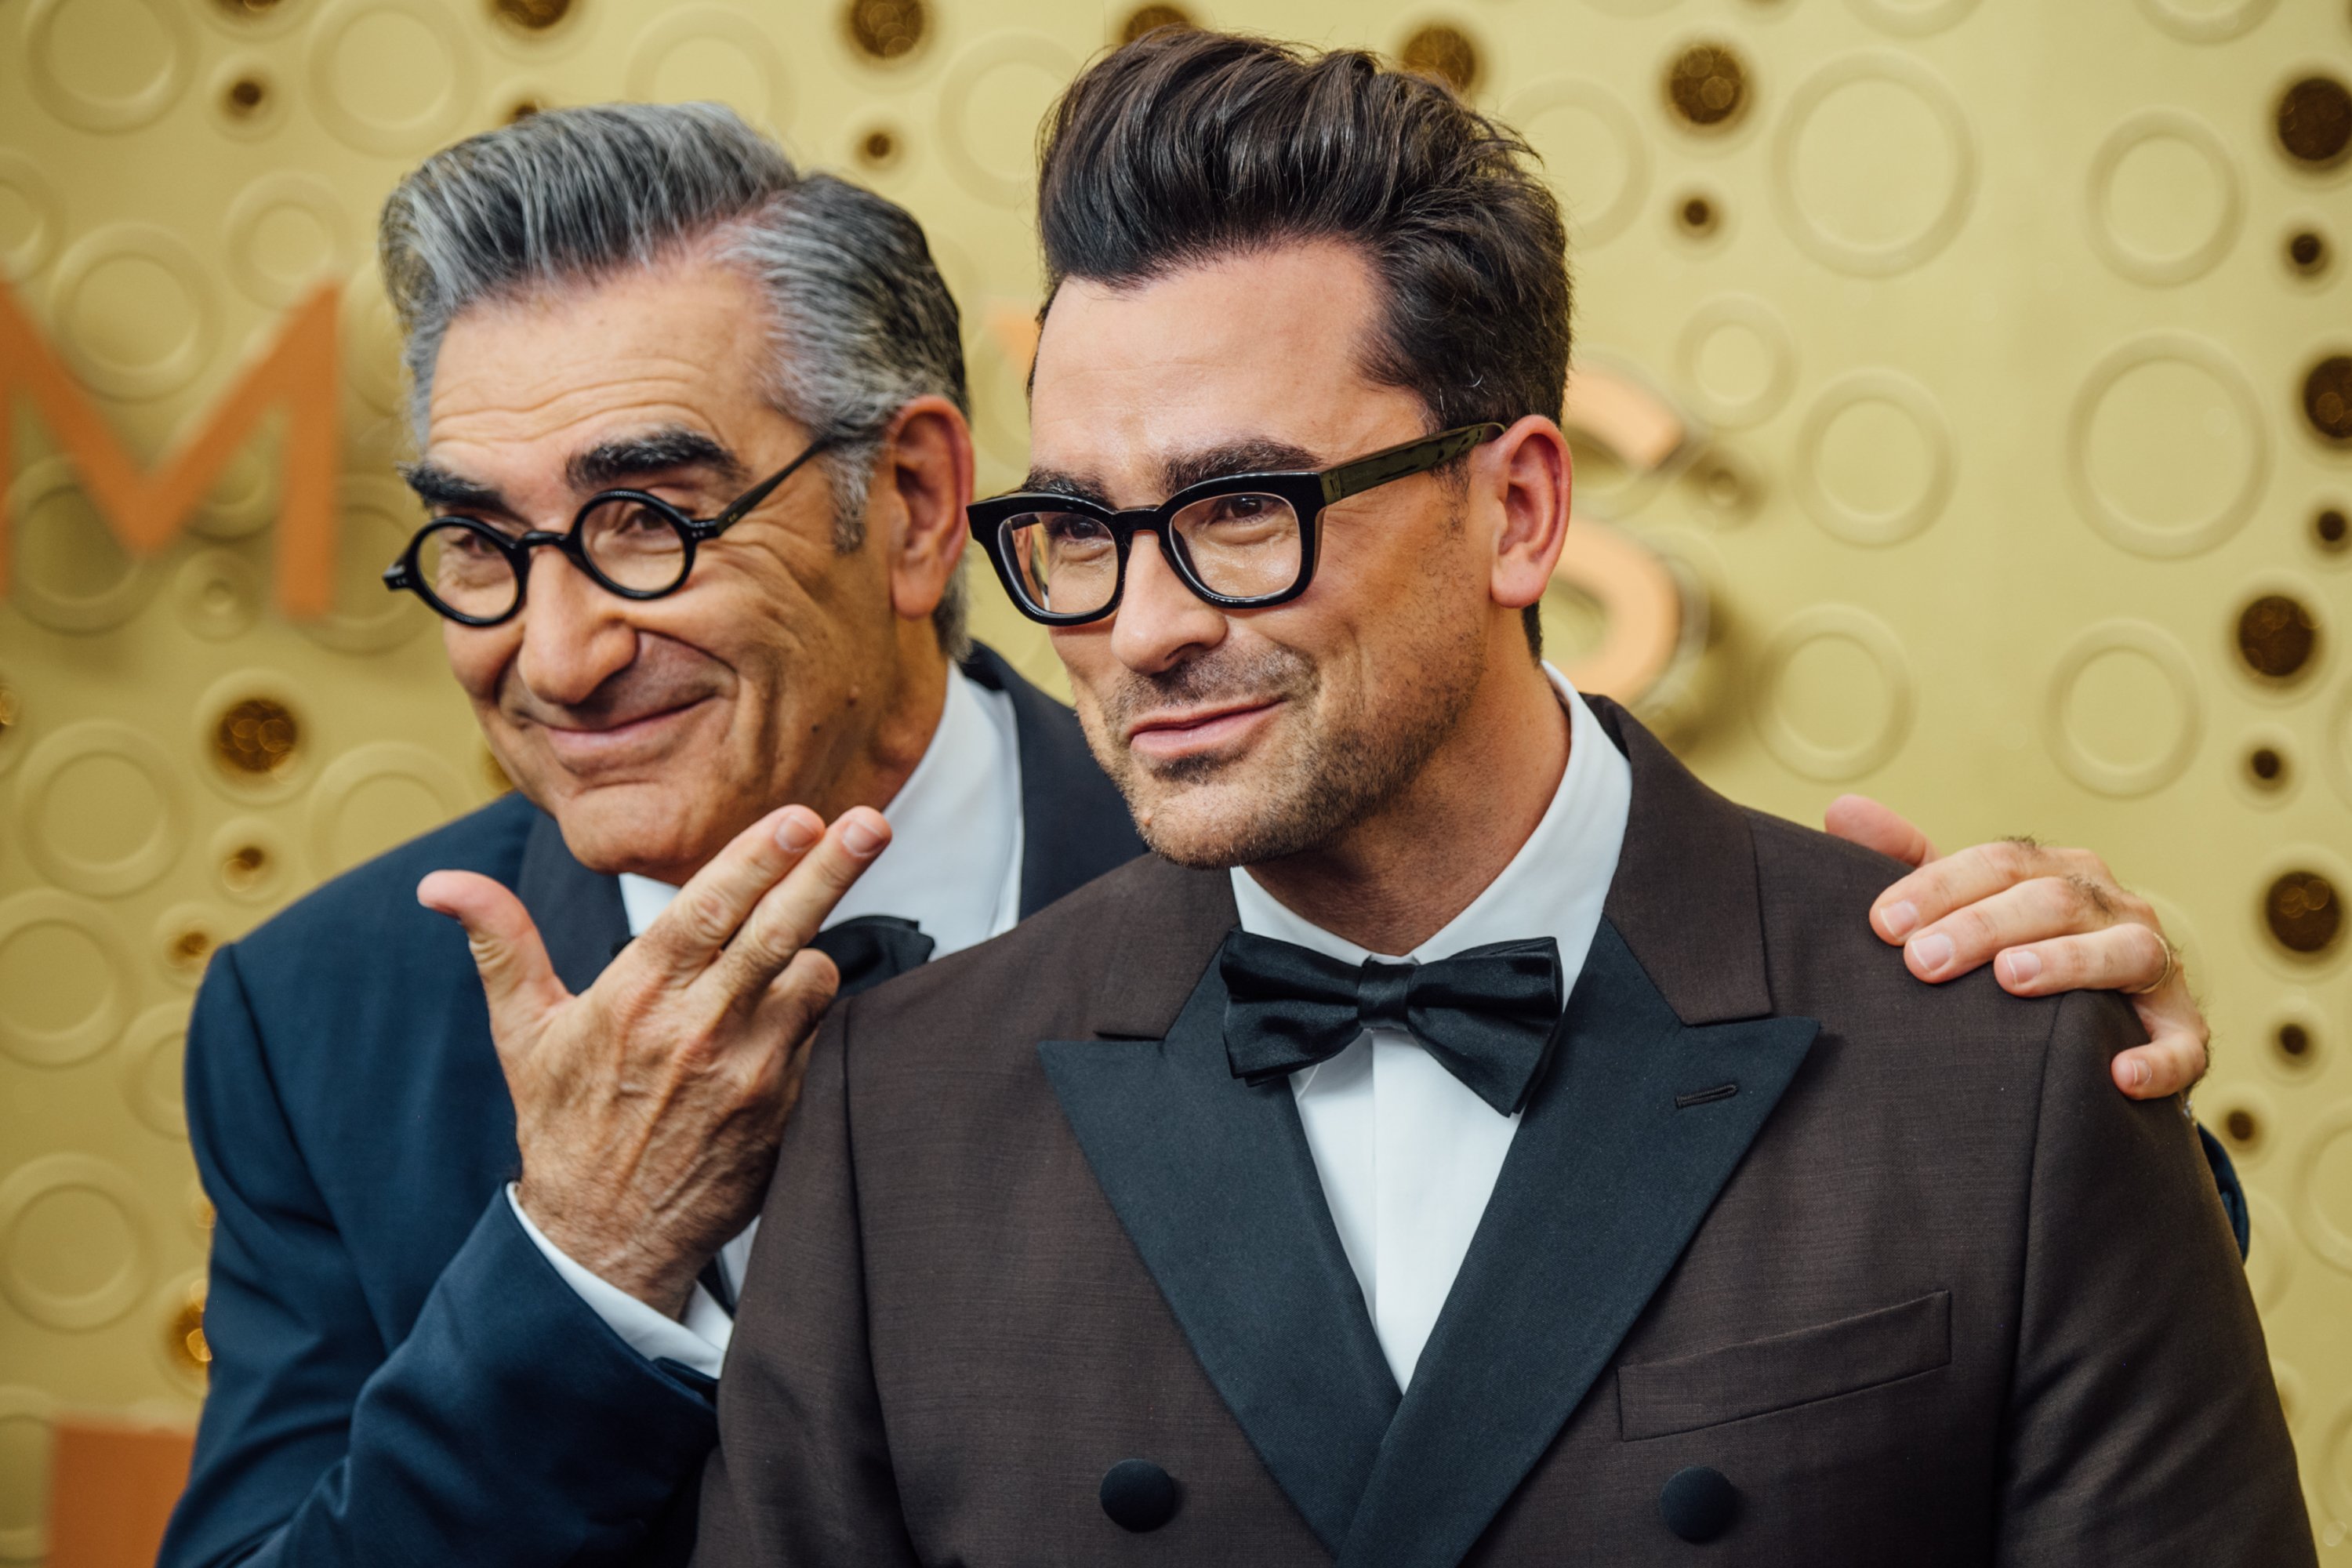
<point x="1214" y="828"/>
<point x="625" y="827"/>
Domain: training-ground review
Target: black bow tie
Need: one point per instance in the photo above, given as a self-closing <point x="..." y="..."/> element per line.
<point x="1486" y="1014"/>
<point x="871" y="949"/>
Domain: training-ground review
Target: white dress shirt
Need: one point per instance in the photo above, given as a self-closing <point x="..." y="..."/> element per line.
<point x="953" y="867"/>
<point x="1407" y="1154"/>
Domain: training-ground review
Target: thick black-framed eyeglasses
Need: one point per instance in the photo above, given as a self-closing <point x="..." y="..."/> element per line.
<point x="1241" y="543"/>
<point x="628" y="542"/>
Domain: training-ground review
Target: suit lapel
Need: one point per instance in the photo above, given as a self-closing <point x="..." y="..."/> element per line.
<point x="1215" y="1187"/>
<point x="578" y="911"/>
<point x="1621" y="1154"/>
<point x="1074" y="826"/>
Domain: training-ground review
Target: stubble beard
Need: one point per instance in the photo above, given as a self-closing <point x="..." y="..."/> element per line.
<point x="1333" y="770"/>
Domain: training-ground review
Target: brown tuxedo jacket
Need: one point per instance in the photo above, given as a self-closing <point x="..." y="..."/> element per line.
<point x="1894" y="1262"/>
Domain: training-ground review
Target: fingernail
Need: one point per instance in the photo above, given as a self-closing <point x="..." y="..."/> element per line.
<point x="1897" y="920"/>
<point x="798" y="830"/>
<point x="2140" y="1075"/>
<point x="2024" y="967"/>
<point x="859" y="837"/>
<point x="1931" y="952"/>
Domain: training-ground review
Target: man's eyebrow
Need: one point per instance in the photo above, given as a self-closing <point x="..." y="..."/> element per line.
<point x="1252" y="454"/>
<point x="443" y="490"/>
<point x="1055" y="482"/>
<point x="638" y="458"/>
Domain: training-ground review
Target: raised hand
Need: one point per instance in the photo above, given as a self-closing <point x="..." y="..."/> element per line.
<point x="648" y="1108"/>
<point x="2048" y="920"/>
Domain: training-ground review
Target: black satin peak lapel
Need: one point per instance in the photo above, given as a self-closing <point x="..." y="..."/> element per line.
<point x="1626" y="1142"/>
<point x="1214" y="1183"/>
<point x="578" y="911"/>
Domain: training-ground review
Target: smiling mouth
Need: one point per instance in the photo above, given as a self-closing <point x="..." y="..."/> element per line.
<point x="1167" y="736"/>
<point x="627" y="740"/>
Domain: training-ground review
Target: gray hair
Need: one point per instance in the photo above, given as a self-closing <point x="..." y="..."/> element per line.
<point x="860" y="321"/>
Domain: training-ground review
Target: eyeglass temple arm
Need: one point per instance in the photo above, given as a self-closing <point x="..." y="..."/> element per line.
<point x="743" y="504"/>
<point x="1412" y="458"/>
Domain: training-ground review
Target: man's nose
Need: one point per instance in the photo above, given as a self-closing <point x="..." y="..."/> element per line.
<point x="575" y="635"/>
<point x="1159" y="620"/>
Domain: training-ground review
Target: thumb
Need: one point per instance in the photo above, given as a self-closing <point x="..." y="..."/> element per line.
<point x="517" y="978"/>
<point x="1858" y="819"/>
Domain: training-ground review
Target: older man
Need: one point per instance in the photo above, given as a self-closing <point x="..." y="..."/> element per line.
<point x="691" y="431"/>
<point x="1467" y="1138"/>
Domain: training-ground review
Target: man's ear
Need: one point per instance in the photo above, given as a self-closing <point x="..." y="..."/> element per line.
<point x="927" y="466"/>
<point x="1527" y="472"/>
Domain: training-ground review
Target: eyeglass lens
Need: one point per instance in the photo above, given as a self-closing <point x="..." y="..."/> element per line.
<point x="1244" y="546"/>
<point x="630" y="545"/>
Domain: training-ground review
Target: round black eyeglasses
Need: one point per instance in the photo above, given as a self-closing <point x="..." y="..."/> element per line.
<point x="628" y="542"/>
<point x="1241" y="543"/>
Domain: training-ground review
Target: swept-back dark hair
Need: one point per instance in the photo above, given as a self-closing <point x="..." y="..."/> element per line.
<point x="1187" y="145"/>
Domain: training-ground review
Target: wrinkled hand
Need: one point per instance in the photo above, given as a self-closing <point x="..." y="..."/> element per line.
<point x="2049" y="921"/>
<point x="649" y="1107"/>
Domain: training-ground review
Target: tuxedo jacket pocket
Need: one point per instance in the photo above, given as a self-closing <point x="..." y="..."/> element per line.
<point x="1801" y="1367"/>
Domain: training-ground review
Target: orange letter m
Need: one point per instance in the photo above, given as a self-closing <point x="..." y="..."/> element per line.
<point x="146" y="509"/>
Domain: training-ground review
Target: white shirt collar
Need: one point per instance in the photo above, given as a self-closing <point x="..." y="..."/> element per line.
<point x="954" y="862"/>
<point x="1553" y="887"/>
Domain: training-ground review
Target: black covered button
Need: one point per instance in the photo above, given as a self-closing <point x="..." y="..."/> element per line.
<point x="1138" y="1495"/>
<point x="1696" y="1505"/>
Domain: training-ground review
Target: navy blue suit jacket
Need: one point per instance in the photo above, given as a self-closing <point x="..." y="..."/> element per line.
<point x="398" y="1375"/>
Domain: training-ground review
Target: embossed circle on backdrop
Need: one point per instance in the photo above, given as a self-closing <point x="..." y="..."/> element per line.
<point x="101" y="808"/>
<point x="74" y="1247"/>
<point x="1913" y="19"/>
<point x="287" y="232"/>
<point x="1593" y="153"/>
<point x="376" y="795"/>
<point x="108" y="65"/>
<point x="70" y="574"/>
<point x="2163" y="203"/>
<point x="1738" y="360"/>
<point x="25" y="1417"/>
<point x="217" y="594"/>
<point x="2206" y="24"/>
<point x="134" y="312"/>
<point x="1907" y="171"/>
<point x="710" y="52"/>
<point x="30" y="217"/>
<point x="184" y="938"/>
<point x="990" y="106"/>
<point x="247" y="99"/>
<point x="2166" y="448"/>
<point x="1873" y="462"/>
<point x="1809" y="672"/>
<point x="390" y="77"/>
<point x="377" y="517"/>
<point x="150" y="1054"/>
<point x="2321" y="1189"/>
<point x="252" y="859"/>
<point x="252" y="732"/>
<point x="53" y="949"/>
<point x="2124" y="713"/>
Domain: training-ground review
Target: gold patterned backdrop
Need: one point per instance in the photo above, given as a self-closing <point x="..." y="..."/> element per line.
<point x="2003" y="352"/>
